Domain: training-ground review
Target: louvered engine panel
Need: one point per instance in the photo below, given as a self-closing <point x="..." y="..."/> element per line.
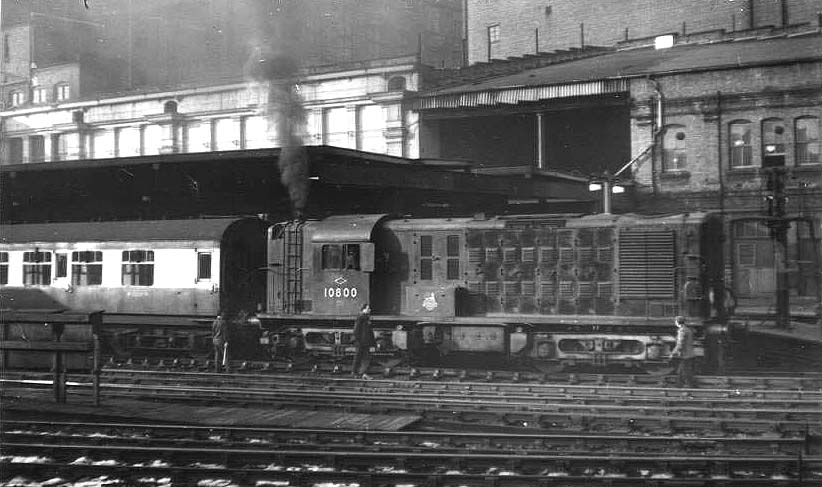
<point x="646" y="263"/>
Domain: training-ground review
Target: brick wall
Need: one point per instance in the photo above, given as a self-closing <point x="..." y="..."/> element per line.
<point x="607" y="22"/>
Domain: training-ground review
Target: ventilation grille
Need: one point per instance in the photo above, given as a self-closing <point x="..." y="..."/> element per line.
<point x="646" y="264"/>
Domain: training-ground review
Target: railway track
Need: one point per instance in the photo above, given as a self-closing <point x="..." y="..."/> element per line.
<point x="389" y="368"/>
<point x="571" y="408"/>
<point x="142" y="454"/>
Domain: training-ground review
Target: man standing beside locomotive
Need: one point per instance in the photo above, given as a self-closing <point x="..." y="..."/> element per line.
<point x="684" y="353"/>
<point x="219" y="336"/>
<point x="364" y="340"/>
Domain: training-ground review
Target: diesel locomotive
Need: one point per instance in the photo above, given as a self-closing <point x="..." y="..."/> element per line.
<point x="547" y="290"/>
<point x="544" y="290"/>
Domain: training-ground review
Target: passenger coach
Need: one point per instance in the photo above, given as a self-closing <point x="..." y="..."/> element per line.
<point x="167" y="267"/>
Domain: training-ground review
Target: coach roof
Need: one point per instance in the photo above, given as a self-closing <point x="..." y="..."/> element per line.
<point x="117" y="231"/>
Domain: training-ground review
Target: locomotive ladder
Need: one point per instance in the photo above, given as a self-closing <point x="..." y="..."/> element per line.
<point x="293" y="263"/>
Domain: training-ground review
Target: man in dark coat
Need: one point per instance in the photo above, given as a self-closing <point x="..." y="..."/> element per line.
<point x="219" y="336"/>
<point x="364" y="340"/>
<point x="684" y="352"/>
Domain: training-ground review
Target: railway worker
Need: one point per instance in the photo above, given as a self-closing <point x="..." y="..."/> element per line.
<point x="219" y="336"/>
<point x="684" y="353"/>
<point x="364" y="340"/>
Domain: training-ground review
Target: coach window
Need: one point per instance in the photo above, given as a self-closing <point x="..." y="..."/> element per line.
<point x="138" y="268"/>
<point x="60" y="265"/>
<point x="740" y="142"/>
<point x="203" y="266"/>
<point x="452" y="254"/>
<point x="773" y="143"/>
<point x="36" y="268"/>
<point x="808" y="143"/>
<point x="4" y="268"/>
<point x="426" y="257"/>
<point x="674" y="154"/>
<point x="87" y="268"/>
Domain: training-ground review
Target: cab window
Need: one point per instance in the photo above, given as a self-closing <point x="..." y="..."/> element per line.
<point x="337" y="256"/>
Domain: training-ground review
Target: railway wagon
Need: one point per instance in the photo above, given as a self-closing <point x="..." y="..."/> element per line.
<point x="551" y="290"/>
<point x="167" y="272"/>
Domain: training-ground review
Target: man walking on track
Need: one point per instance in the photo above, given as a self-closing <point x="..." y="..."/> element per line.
<point x="684" y="352"/>
<point x="364" y="339"/>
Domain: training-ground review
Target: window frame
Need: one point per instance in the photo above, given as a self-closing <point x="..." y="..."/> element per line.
<point x="494" y="33"/>
<point x="137" y="268"/>
<point x="200" y="274"/>
<point x="746" y="146"/>
<point x="4" y="268"/>
<point x="673" y="149"/>
<point x="40" y="95"/>
<point x="799" y="159"/>
<point x="39" y="267"/>
<point x="62" y="91"/>
<point x="17" y="98"/>
<point x="341" y="258"/>
<point x="85" y="272"/>
<point x="771" y="137"/>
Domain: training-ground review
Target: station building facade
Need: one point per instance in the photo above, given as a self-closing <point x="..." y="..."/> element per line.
<point x="357" y="106"/>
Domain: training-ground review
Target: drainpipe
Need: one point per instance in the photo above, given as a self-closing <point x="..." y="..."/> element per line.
<point x="659" y="119"/>
<point x="540" y="141"/>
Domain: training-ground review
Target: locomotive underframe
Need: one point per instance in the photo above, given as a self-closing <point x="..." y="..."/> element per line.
<point x="560" y="342"/>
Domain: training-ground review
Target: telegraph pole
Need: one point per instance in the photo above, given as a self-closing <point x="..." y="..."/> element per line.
<point x="779" y="225"/>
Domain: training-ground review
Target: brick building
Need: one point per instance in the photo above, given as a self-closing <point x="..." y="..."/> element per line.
<point x="498" y="29"/>
<point x="700" y="126"/>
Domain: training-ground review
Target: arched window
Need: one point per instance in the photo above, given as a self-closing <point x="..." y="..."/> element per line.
<point x="739" y="141"/>
<point x="674" y="154"/>
<point x="773" y="142"/>
<point x="170" y="107"/>
<point x="396" y="83"/>
<point x="62" y="92"/>
<point x="808" y="143"/>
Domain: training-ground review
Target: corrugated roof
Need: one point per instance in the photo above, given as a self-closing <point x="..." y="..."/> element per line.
<point x="609" y="72"/>
<point x="116" y="231"/>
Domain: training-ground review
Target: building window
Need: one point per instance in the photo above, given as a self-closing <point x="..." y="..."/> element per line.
<point x="452" y="253"/>
<point x="740" y="142"/>
<point x="17" y="98"/>
<point x="426" y="257"/>
<point x="4" y="268"/>
<point x="674" y="154"/>
<point x="62" y="92"/>
<point x="397" y="83"/>
<point x="87" y="268"/>
<point x="773" y="142"/>
<point x="6" y="49"/>
<point x="203" y="266"/>
<point x="40" y="95"/>
<point x="37" y="148"/>
<point x="138" y="268"/>
<point x="170" y="107"/>
<point x="58" y="149"/>
<point x="15" y="148"/>
<point x="60" y="265"/>
<point x="36" y="268"/>
<point x="493" y="34"/>
<point x="341" y="256"/>
<point x="808" y="143"/>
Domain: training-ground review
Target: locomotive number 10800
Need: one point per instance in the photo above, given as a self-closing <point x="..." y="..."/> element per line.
<point x="340" y="292"/>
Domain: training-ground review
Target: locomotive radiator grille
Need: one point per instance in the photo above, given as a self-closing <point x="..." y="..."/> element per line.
<point x="646" y="264"/>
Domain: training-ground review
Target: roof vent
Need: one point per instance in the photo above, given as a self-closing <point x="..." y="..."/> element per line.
<point x="664" y="42"/>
